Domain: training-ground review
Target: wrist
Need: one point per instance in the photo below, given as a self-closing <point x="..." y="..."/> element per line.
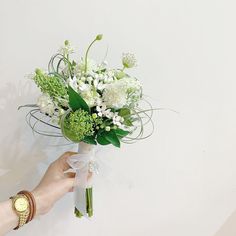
<point x="41" y="202"/>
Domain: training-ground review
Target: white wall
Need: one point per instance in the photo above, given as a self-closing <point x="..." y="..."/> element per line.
<point x="181" y="181"/>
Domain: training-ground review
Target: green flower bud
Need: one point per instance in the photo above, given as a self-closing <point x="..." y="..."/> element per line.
<point x="66" y="42"/>
<point x="38" y="71"/>
<point x="99" y="37"/>
<point x="94" y="115"/>
<point x="120" y="75"/>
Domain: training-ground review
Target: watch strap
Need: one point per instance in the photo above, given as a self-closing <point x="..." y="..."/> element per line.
<point x="32" y="204"/>
<point x="29" y="214"/>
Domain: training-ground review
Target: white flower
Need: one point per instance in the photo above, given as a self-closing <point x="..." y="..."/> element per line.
<point x="89" y="79"/>
<point x="129" y="60"/>
<point x="90" y="96"/>
<point x="117" y="120"/>
<point x="107" y="128"/>
<point x="46" y="104"/>
<point x="73" y="83"/>
<point x="126" y="91"/>
<point x="83" y="87"/>
<point x="114" y="95"/>
<point x="83" y="79"/>
<point x="66" y="48"/>
<point x="98" y="85"/>
<point x="98" y="101"/>
<point x="108" y="113"/>
<point x="103" y="64"/>
<point x="101" y="109"/>
<point x="133" y="90"/>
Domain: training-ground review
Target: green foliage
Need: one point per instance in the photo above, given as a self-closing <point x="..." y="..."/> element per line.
<point x="111" y="137"/>
<point x="77" y="125"/>
<point x="90" y="140"/>
<point x="124" y="112"/>
<point x="102" y="140"/>
<point x="76" y="101"/>
<point x="121" y="133"/>
<point x="51" y="85"/>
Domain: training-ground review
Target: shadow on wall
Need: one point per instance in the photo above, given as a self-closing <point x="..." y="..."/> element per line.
<point x="228" y="228"/>
<point x="19" y="154"/>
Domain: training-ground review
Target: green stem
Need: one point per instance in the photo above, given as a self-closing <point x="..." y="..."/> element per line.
<point x="123" y="69"/>
<point x="78" y="213"/>
<point x="86" y="55"/>
<point x="89" y="195"/>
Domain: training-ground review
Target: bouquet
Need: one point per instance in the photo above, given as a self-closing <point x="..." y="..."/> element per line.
<point x="90" y="104"/>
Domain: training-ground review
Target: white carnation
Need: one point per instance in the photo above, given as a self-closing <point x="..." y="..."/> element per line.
<point x="126" y="91"/>
<point x="46" y="104"/>
<point x="114" y="95"/>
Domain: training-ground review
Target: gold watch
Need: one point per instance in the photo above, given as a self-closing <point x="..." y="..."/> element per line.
<point x="21" y="206"/>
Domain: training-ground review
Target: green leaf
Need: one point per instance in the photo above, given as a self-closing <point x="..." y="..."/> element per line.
<point x="128" y="122"/>
<point x="76" y="101"/>
<point x="90" y="140"/>
<point x="112" y="138"/>
<point x="101" y="140"/>
<point x="124" y="112"/>
<point x="121" y="133"/>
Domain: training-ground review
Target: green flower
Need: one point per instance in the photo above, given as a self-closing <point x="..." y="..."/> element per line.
<point x="51" y="85"/>
<point x="77" y="125"/>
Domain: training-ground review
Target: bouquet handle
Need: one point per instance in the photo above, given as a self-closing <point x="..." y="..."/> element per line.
<point x="83" y="164"/>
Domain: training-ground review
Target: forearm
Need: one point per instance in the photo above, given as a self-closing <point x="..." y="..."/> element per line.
<point x="8" y="218"/>
<point x="54" y="185"/>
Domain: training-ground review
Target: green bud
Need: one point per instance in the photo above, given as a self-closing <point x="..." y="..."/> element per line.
<point x="99" y="37"/>
<point x="38" y="71"/>
<point x="66" y="42"/>
<point x="120" y="75"/>
<point x="94" y="115"/>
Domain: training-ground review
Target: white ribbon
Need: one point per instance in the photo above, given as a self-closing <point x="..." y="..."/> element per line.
<point x="84" y="166"/>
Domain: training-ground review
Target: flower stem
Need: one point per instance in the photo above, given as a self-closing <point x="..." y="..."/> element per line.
<point x="123" y="69"/>
<point x="89" y="204"/>
<point x="89" y="196"/>
<point x="78" y="213"/>
<point x="86" y="55"/>
<point x="98" y="37"/>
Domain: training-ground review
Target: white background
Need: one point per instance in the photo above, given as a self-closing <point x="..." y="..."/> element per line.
<point x="181" y="181"/>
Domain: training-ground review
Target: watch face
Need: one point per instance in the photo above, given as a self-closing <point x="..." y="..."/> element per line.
<point x="21" y="204"/>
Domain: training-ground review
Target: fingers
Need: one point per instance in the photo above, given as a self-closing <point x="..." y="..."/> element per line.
<point x="63" y="160"/>
<point x="69" y="175"/>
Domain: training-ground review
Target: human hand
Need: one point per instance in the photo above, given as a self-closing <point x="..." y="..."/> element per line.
<point x="54" y="185"/>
